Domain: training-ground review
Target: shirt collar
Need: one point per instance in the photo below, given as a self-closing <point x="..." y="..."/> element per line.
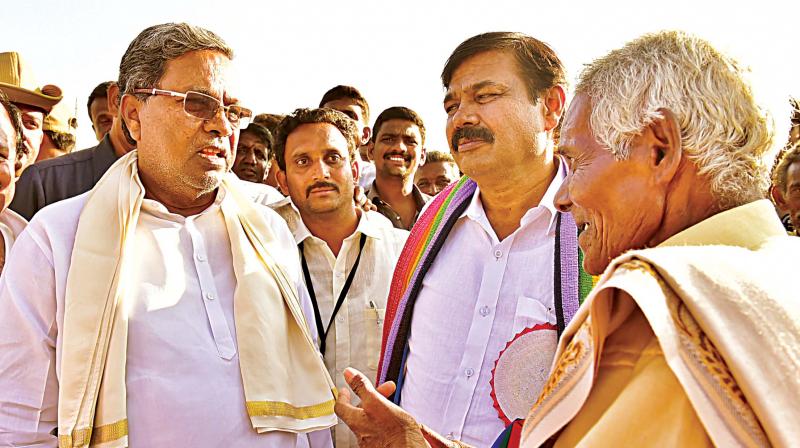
<point x="105" y="153"/>
<point x="367" y="222"/>
<point x="748" y="226"/>
<point x="420" y="198"/>
<point x="476" y="212"/>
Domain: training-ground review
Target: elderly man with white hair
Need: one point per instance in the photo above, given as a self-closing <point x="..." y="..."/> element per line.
<point x="692" y="335"/>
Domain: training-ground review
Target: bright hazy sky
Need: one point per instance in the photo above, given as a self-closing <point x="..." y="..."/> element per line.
<point x="291" y="52"/>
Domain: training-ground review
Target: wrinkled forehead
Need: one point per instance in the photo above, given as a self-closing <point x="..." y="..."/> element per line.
<point x="493" y="67"/>
<point x="400" y="127"/>
<point x="250" y="138"/>
<point x="205" y="71"/>
<point x="577" y="121"/>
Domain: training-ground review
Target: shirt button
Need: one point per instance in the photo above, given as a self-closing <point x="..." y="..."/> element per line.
<point x="498" y="254"/>
<point x="200" y="257"/>
<point x="469" y="372"/>
<point x="450" y="436"/>
<point x="340" y="319"/>
<point x="484" y="311"/>
<point x="210" y="296"/>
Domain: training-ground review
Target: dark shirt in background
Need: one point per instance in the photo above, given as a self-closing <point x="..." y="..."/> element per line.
<point x="386" y="210"/>
<point x="53" y="180"/>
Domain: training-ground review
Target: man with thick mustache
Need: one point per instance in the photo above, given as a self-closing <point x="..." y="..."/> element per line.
<point x="692" y="335"/>
<point x="397" y="149"/>
<point x="491" y="263"/>
<point x="168" y="309"/>
<point x="347" y="254"/>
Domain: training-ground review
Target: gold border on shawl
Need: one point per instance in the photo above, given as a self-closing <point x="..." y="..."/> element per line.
<point x="283" y="409"/>
<point x="708" y="367"/>
<point x="96" y="436"/>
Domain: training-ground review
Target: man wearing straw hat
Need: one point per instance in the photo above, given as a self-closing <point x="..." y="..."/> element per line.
<point x="34" y="101"/>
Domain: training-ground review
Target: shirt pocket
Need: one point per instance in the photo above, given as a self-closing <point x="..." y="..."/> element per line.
<point x="531" y="312"/>
<point x="373" y="324"/>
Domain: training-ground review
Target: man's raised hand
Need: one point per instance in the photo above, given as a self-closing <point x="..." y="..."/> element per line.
<point x="377" y="422"/>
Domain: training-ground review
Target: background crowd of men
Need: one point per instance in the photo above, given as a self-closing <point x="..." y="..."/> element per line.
<point x="208" y="275"/>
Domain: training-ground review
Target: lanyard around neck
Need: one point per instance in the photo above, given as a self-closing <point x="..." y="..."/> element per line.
<point x="322" y="331"/>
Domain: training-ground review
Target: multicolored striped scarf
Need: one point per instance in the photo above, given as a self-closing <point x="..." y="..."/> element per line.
<point x="571" y="283"/>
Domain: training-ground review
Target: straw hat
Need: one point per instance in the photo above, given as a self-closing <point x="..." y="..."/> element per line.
<point x="61" y="119"/>
<point x="19" y="85"/>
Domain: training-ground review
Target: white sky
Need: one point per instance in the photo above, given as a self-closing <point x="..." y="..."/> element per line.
<point x="291" y="52"/>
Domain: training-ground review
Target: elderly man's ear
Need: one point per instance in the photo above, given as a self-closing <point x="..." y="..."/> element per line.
<point x="659" y="147"/>
<point x="777" y="197"/>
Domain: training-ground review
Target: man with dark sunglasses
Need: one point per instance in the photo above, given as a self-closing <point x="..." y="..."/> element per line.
<point x="130" y="336"/>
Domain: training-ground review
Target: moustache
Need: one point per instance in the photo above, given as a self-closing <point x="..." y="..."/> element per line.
<point x="321" y="185"/>
<point x="471" y="132"/>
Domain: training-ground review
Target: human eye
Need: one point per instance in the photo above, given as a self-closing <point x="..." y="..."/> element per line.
<point x="301" y="161"/>
<point x="483" y="97"/>
<point x="200" y="105"/>
<point x="450" y="107"/>
<point x="334" y="158"/>
<point x="30" y="122"/>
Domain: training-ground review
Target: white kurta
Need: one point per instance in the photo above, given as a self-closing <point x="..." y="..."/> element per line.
<point x="478" y="294"/>
<point x="354" y="338"/>
<point x="184" y="385"/>
<point x="11" y="225"/>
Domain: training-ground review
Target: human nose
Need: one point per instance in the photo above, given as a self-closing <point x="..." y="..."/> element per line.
<point x="219" y="123"/>
<point x="321" y="170"/>
<point x="249" y="157"/>
<point x="464" y="115"/>
<point x="563" y="201"/>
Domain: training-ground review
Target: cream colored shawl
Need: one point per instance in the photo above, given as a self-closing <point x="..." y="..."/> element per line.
<point x="295" y="394"/>
<point x="727" y="318"/>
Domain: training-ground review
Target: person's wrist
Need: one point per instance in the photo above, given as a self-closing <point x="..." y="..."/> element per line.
<point x="409" y="435"/>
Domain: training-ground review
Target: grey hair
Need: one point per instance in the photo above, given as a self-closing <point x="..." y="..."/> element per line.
<point x="726" y="130"/>
<point x="146" y="58"/>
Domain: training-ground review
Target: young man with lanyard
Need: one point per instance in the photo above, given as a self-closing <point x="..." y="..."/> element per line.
<point x="347" y="254"/>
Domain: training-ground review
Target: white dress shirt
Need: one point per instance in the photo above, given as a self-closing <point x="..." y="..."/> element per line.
<point x="354" y="338"/>
<point x="261" y="193"/>
<point x="11" y="225"/>
<point x="478" y="294"/>
<point x="184" y="385"/>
